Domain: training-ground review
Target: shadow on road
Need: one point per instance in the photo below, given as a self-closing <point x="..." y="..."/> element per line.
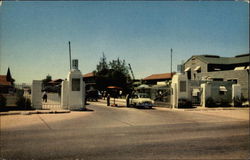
<point x="84" y="110"/>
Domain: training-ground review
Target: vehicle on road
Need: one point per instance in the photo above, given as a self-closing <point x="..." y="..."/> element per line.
<point x="93" y="95"/>
<point x="141" y="100"/>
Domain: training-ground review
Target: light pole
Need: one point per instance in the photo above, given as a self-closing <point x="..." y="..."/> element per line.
<point x="69" y="56"/>
<point x="171" y="51"/>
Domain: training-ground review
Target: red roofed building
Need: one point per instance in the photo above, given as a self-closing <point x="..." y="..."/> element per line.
<point x="89" y="75"/>
<point x="6" y="82"/>
<point x="55" y="82"/>
<point x="90" y="80"/>
<point x="154" y="78"/>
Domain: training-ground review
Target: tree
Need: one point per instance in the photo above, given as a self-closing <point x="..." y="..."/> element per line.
<point x="9" y="77"/>
<point x="103" y="65"/>
<point x="46" y="81"/>
<point x="114" y="73"/>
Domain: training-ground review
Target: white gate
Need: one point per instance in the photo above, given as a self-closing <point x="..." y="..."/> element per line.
<point x="53" y="99"/>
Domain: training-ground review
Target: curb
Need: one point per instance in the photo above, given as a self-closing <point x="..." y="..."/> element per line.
<point x="210" y="109"/>
<point x="34" y="112"/>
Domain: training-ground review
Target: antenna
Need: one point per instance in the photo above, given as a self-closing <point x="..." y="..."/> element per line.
<point x="69" y="56"/>
<point x="171" y="50"/>
<point x="131" y="71"/>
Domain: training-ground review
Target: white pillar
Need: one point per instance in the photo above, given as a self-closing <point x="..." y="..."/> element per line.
<point x="83" y="93"/>
<point x="236" y="92"/>
<point x="64" y="94"/>
<point x="206" y="92"/>
<point x="36" y="94"/>
<point x="73" y="90"/>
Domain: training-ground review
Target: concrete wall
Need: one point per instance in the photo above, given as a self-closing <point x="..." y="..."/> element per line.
<point x="215" y="90"/>
<point x="242" y="77"/>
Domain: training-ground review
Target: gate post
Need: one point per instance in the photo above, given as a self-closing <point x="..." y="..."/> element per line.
<point x="206" y="93"/>
<point x="73" y="90"/>
<point x="36" y="94"/>
<point x="236" y="93"/>
<point x="64" y="94"/>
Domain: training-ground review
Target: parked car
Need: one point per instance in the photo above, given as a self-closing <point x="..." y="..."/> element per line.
<point x="93" y="95"/>
<point x="141" y="100"/>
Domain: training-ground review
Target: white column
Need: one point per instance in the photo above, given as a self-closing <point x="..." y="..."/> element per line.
<point x="75" y="90"/>
<point x="64" y="94"/>
<point x="236" y="92"/>
<point x="36" y="94"/>
<point x="206" y="92"/>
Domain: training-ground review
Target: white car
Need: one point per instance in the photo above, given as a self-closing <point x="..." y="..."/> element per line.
<point x="141" y="100"/>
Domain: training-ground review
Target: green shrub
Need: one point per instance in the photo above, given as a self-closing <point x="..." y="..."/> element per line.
<point x="210" y="102"/>
<point x="184" y="103"/>
<point x="2" y="101"/>
<point x="23" y="103"/>
<point x="224" y="103"/>
<point x="238" y="101"/>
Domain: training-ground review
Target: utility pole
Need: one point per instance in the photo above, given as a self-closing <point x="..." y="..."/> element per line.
<point x="69" y="56"/>
<point x="171" y="50"/>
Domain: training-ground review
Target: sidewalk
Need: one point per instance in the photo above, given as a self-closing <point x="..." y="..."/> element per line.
<point x="118" y="101"/>
<point x="122" y="102"/>
<point x="34" y="112"/>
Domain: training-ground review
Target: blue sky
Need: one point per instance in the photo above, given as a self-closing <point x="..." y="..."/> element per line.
<point x="34" y="35"/>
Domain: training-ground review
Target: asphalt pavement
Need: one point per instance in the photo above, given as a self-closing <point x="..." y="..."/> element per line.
<point x="108" y="133"/>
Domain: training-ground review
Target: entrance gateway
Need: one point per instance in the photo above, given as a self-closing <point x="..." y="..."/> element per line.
<point x="72" y="95"/>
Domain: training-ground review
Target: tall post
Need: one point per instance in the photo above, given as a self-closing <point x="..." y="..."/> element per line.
<point x="69" y="56"/>
<point x="171" y="50"/>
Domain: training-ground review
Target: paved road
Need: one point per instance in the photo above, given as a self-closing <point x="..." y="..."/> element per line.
<point x="126" y="133"/>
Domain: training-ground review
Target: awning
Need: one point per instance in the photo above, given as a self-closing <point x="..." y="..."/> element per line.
<point x="187" y="69"/>
<point x="197" y="68"/>
<point x="114" y="87"/>
<point x="239" y="68"/>
<point x="223" y="88"/>
<point x="195" y="92"/>
<point x="143" y="86"/>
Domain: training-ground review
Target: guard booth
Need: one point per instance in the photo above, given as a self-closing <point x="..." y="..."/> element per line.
<point x="73" y="89"/>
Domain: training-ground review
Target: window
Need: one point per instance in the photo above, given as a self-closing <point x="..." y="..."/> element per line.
<point x="75" y="84"/>
<point x="189" y="74"/>
<point x="198" y="69"/>
<point x="217" y="79"/>
<point x="182" y="86"/>
<point x="235" y="81"/>
<point x="222" y="92"/>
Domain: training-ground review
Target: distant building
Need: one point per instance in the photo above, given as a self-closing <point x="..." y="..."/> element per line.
<point x="90" y="80"/>
<point x="55" y="82"/>
<point x="156" y="78"/>
<point x="6" y="82"/>
<point x="216" y="68"/>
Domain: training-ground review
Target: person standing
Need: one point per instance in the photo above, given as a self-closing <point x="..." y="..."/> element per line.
<point x="127" y="100"/>
<point x="108" y="100"/>
<point x="45" y="96"/>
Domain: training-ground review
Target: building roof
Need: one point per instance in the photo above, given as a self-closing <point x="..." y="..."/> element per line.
<point x="162" y="76"/>
<point x="214" y="59"/>
<point x="88" y="75"/>
<point x="55" y="81"/>
<point x="3" y="81"/>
